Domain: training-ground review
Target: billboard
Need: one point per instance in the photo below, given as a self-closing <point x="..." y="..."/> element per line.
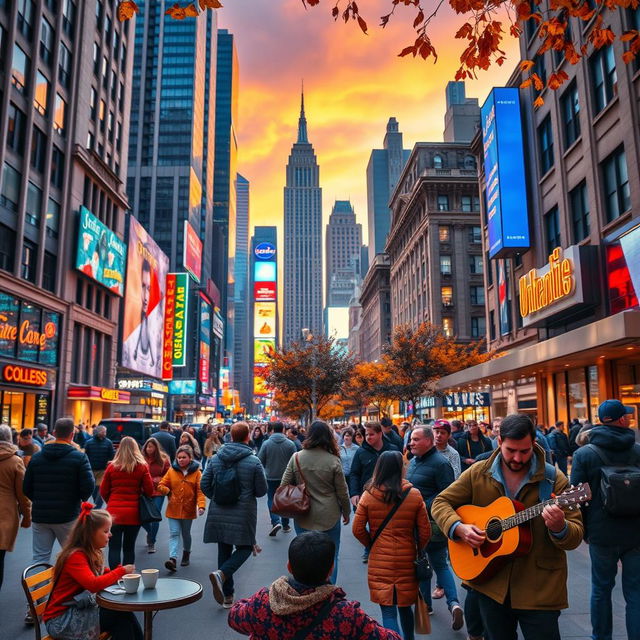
<point x="264" y="291"/>
<point x="261" y="347"/>
<point x="205" y="344"/>
<point x="169" y="317"/>
<point x="264" y="272"/>
<point x="100" y="253"/>
<point x="143" y="329"/>
<point x="182" y="387"/>
<point x="265" y="251"/>
<point x="192" y="254"/>
<point x="264" y="320"/>
<point x="503" y="299"/>
<point x="259" y="384"/>
<point x="505" y="182"/>
<point x="180" y="318"/>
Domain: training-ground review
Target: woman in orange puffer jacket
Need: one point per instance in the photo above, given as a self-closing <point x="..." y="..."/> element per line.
<point x="391" y="570"/>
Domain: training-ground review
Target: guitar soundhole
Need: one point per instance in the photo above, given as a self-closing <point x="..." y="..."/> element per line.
<point x="494" y="530"/>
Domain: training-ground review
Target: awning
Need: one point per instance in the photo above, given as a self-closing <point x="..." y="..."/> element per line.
<point x="613" y="337"/>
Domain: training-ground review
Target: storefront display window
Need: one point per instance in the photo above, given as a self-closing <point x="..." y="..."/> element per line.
<point x="594" y="394"/>
<point x="561" y="398"/>
<point x="629" y="388"/>
<point x="18" y="409"/>
<point x="577" y="385"/>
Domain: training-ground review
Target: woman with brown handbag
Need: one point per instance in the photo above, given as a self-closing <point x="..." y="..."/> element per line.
<point x="318" y="466"/>
<point x="394" y="510"/>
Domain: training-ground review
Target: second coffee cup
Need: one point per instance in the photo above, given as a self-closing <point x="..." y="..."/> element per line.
<point x="149" y="578"/>
<point x="130" y="582"/>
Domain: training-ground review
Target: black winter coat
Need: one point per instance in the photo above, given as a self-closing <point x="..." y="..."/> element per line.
<point x="56" y="481"/>
<point x="100" y="452"/>
<point x="364" y="462"/>
<point x="168" y="443"/>
<point x="430" y="474"/>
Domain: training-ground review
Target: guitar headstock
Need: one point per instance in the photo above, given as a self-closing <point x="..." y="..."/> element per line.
<point x="574" y="496"/>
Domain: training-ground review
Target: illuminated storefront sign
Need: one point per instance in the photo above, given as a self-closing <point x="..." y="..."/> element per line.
<point x="264" y="291"/>
<point x="264" y="272"/>
<point x="180" y="316"/>
<point x="141" y="384"/>
<point x="192" y="258"/>
<point x="18" y="374"/>
<point x="505" y="183"/>
<point x="265" y="251"/>
<point x="169" y="320"/>
<point x="205" y="344"/>
<point x="98" y="394"/>
<point x="264" y="320"/>
<point x="182" y="387"/>
<point x="466" y="399"/>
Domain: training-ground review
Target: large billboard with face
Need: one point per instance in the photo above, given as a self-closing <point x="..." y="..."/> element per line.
<point x="142" y="334"/>
<point x="505" y="181"/>
<point x="100" y="253"/>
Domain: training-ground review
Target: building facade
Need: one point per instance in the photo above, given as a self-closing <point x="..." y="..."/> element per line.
<point x="375" y="300"/>
<point x="565" y="309"/>
<point x="65" y="73"/>
<point x="302" y="239"/>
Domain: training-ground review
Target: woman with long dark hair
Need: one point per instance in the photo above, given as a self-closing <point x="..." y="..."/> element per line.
<point x="159" y="464"/>
<point x="318" y="465"/>
<point x="391" y="570"/>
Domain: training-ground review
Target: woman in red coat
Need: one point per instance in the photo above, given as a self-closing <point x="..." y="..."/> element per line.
<point x="127" y="478"/>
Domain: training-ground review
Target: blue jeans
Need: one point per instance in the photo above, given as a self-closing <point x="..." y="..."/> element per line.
<point x="97" y="498"/>
<point x="604" y="567"/>
<point x="334" y="534"/>
<point x="272" y="485"/>
<point x="179" y="528"/>
<point x="229" y="561"/>
<point x="390" y="620"/>
<point x="439" y="561"/>
<point x="152" y="527"/>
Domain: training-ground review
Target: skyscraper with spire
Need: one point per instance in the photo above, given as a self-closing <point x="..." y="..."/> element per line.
<point x="302" y="239"/>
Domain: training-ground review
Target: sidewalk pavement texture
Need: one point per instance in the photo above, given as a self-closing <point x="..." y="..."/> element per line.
<point x="207" y="619"/>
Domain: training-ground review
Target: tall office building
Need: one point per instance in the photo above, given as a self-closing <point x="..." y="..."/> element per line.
<point x="383" y="172"/>
<point x="462" y="117"/>
<point x="65" y="71"/>
<point x="224" y="182"/>
<point x="241" y="335"/>
<point x="302" y="239"/>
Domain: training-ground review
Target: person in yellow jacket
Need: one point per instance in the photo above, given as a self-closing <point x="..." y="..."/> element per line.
<point x="186" y="501"/>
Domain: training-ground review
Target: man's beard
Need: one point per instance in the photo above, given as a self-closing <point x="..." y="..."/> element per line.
<point x="517" y="466"/>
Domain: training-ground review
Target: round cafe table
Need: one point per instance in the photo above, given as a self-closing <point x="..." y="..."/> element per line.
<point x="168" y="594"/>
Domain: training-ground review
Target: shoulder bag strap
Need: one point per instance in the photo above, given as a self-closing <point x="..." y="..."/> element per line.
<point x="322" y="614"/>
<point x="390" y="515"/>
<point x="299" y="469"/>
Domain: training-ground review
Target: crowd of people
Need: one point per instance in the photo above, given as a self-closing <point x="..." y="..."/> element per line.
<point x="401" y="485"/>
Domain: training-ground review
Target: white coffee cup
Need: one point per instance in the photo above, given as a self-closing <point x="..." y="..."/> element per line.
<point x="149" y="578"/>
<point x="130" y="582"/>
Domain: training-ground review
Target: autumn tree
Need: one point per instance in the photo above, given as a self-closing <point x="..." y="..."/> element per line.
<point x="370" y="383"/>
<point x="311" y="370"/>
<point x="290" y="404"/>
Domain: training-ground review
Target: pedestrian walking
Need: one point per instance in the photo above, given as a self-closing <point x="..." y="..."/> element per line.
<point x="233" y="480"/>
<point x="389" y="433"/>
<point x="442" y="435"/>
<point x="393" y="542"/>
<point x="100" y="452"/>
<point x="318" y="466"/>
<point x="187" y="439"/>
<point x="81" y="436"/>
<point x="126" y="478"/>
<point x="166" y="439"/>
<point x="79" y="569"/>
<point x="610" y="463"/>
<point x="42" y="434"/>
<point x="186" y="501"/>
<point x="257" y="438"/>
<point x="559" y="445"/>
<point x="15" y="508"/>
<point x="472" y="443"/>
<point x="274" y="454"/>
<point x="293" y="435"/>
<point x="158" y="462"/>
<point x="574" y="430"/>
<point x="27" y="448"/>
<point x="347" y="452"/>
<point x="211" y="446"/>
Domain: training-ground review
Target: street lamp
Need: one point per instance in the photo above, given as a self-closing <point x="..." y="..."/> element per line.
<point x="308" y="337"/>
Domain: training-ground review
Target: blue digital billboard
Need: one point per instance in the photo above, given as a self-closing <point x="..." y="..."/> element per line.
<point x="505" y="181"/>
<point x="265" y="272"/>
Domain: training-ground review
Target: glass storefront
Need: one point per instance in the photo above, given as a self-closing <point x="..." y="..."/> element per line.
<point x="577" y="395"/>
<point x="23" y="410"/>
<point x="629" y="388"/>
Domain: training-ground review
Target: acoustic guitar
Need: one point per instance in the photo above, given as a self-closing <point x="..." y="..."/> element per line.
<point x="508" y="532"/>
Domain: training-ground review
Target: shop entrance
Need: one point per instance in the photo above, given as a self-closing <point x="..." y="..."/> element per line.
<point x="23" y="410"/>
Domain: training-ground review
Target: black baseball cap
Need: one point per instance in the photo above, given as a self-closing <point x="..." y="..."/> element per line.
<point x="612" y="410"/>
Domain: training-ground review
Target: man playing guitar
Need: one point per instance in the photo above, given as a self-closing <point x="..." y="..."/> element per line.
<point x="528" y="588"/>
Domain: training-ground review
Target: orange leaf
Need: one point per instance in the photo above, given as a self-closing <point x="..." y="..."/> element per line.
<point x="190" y="11"/>
<point x="527" y="65"/>
<point x="464" y="31"/>
<point x="176" y="12"/>
<point x="406" y="51"/>
<point x="419" y="19"/>
<point x="628" y="56"/>
<point x="537" y="82"/>
<point x="363" y="24"/>
<point x="515" y="31"/>
<point x="538" y="102"/>
<point x="335" y="11"/>
<point x="126" y="10"/>
<point x="210" y="4"/>
<point x="628" y="35"/>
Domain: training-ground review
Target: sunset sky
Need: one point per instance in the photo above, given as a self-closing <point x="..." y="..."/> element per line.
<point x="353" y="84"/>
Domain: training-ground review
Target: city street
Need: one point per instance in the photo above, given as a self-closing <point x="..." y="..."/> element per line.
<point x="206" y="619"/>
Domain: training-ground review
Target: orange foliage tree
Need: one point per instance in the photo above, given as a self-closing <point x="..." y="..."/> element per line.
<point x="370" y="383"/>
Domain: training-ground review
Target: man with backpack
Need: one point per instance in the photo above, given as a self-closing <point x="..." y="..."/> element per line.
<point x="610" y="463"/>
<point x="232" y="480"/>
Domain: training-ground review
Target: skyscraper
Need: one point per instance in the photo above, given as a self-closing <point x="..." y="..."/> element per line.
<point x="241" y="335"/>
<point x="302" y="239"/>
<point x="383" y="172"/>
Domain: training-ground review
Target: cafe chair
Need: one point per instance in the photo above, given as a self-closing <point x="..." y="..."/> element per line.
<point x="37" y="582"/>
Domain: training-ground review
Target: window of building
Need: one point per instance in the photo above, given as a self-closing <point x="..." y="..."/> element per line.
<point x="16" y="129"/>
<point x="616" y="184"/>
<point x="466" y="203"/>
<point x="93" y="103"/>
<point x="7" y="248"/>
<point x="41" y="95"/>
<point x="121" y="98"/>
<point x="38" y="149"/>
<point x="60" y="115"/>
<point x="53" y="218"/>
<point x="46" y="41"/>
<point x="552" y="230"/>
<point x="102" y="115"/>
<point x="545" y="145"/>
<point x="570" y="109"/>
<point x="469" y="163"/>
<point x="34" y="204"/>
<point x="29" y="257"/>
<point x="478" y="327"/>
<point x="20" y="69"/>
<point x="492" y="324"/>
<point x="105" y="71"/>
<point x="49" y="272"/>
<point x="475" y="235"/>
<point x="10" y="187"/>
<point x="443" y="203"/>
<point x="579" y="202"/>
<point x="475" y="264"/>
<point x="99" y="14"/>
<point x="540" y="68"/>
<point x="444" y="232"/>
<point x="57" y="167"/>
<point x="64" y="65"/>
<point x="604" y="77"/>
<point x="445" y="265"/>
<point x="25" y="18"/>
<point x="114" y="85"/>
<point x="446" y="295"/>
<point x="477" y="295"/>
<point x="437" y="161"/>
<point x="68" y="16"/>
<point x="96" y="57"/>
<point x="489" y="269"/>
<point x="447" y="327"/>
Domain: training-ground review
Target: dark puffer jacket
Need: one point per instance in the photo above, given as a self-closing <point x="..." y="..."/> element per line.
<point x="100" y="452"/>
<point x="57" y="480"/>
<point x="430" y="474"/>
<point x="234" y="524"/>
<point x="364" y="462"/>
<point x="618" y="444"/>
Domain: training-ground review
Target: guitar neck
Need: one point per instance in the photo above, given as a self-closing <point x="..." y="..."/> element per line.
<point x="526" y="514"/>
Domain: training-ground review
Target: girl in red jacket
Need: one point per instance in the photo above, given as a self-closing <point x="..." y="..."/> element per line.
<point x="79" y="567"/>
<point x="127" y="477"/>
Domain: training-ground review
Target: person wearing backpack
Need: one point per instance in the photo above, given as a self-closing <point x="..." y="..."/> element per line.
<point x="610" y="463"/>
<point x="232" y="480"/>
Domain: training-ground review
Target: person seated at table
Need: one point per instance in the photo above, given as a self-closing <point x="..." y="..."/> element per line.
<point x="79" y="569"/>
<point x="306" y="604"/>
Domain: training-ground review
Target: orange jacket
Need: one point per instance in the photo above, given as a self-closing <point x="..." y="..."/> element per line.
<point x="391" y="561"/>
<point x="185" y="495"/>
